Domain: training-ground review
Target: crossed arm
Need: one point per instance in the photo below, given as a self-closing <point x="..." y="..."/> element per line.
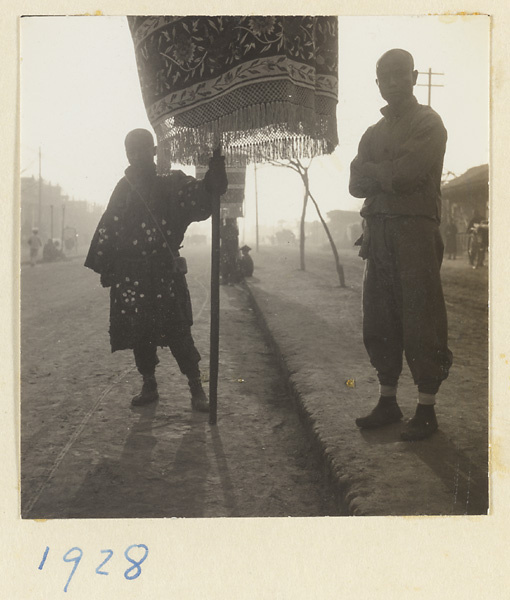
<point x="405" y="171"/>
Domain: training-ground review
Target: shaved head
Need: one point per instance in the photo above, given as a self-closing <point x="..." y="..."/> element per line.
<point x="396" y="76"/>
<point x="140" y="149"/>
<point x="139" y="137"/>
<point x="397" y="54"/>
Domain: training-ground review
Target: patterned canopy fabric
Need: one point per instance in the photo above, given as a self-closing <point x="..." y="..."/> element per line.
<point x="265" y="87"/>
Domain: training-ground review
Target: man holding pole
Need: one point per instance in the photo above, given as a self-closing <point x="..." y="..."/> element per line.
<point x="136" y="251"/>
<point x="398" y="171"/>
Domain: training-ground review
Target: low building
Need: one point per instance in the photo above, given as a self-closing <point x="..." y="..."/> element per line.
<point x="462" y="197"/>
<point x="466" y="194"/>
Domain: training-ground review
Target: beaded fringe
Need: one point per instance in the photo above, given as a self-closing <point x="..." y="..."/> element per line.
<point x="273" y="131"/>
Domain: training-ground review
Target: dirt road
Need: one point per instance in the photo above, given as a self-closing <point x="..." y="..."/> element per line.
<point x="316" y="330"/>
<point x="86" y="453"/>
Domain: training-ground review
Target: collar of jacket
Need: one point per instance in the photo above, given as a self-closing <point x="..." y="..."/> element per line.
<point x="390" y="113"/>
<point x="140" y="176"/>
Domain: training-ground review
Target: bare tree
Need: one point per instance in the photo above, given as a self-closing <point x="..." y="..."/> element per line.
<point x="296" y="165"/>
<point x="302" y="234"/>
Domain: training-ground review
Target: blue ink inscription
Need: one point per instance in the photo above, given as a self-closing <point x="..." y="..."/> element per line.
<point x="44" y="558"/>
<point x="75" y="559"/>
<point x="110" y="554"/>
<point x="135" y="563"/>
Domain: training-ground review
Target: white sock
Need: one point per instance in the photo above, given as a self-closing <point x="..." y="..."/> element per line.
<point x="429" y="399"/>
<point x="388" y="390"/>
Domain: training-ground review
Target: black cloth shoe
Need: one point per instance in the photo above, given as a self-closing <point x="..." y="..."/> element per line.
<point x="421" y="426"/>
<point x="386" y="412"/>
<point x="199" y="400"/>
<point x="149" y="392"/>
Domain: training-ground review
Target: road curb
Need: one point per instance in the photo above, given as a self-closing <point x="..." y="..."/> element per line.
<point x="345" y="497"/>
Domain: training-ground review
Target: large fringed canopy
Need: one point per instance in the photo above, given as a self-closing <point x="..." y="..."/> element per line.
<point x="265" y="87"/>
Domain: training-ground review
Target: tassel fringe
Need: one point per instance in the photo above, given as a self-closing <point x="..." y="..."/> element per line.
<point x="273" y="131"/>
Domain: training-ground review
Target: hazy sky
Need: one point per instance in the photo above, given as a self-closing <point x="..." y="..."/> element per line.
<point x="80" y="95"/>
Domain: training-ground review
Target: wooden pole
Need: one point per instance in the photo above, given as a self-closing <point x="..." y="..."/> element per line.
<point x="215" y="307"/>
<point x="256" y="212"/>
<point x="430" y="86"/>
<point x="63" y="227"/>
<point x="40" y="193"/>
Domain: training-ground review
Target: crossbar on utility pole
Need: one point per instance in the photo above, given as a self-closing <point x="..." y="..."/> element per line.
<point x="429" y="84"/>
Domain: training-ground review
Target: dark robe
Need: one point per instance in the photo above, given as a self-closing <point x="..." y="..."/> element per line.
<point x="149" y="298"/>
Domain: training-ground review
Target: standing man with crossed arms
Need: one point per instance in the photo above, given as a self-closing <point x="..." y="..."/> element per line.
<point x="398" y="171"/>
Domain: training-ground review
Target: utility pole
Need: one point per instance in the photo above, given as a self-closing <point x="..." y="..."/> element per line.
<point x="256" y="212"/>
<point x="40" y="193"/>
<point x="63" y="226"/>
<point x="429" y="83"/>
<point x="244" y="220"/>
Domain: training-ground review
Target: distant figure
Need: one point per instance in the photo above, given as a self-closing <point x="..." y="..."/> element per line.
<point x="59" y="252"/>
<point x="398" y="172"/>
<point x="478" y="241"/>
<point x="451" y="240"/>
<point x="49" y="254"/>
<point x="481" y="232"/>
<point x="70" y="243"/>
<point x="229" y="250"/>
<point x="34" y="241"/>
<point x="475" y="220"/>
<point x="246" y="262"/>
<point x="135" y="249"/>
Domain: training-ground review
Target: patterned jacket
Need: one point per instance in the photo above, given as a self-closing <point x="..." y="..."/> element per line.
<point x="134" y="249"/>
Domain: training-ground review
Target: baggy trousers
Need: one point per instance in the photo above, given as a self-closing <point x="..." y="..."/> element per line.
<point x="403" y="305"/>
<point x="181" y="346"/>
